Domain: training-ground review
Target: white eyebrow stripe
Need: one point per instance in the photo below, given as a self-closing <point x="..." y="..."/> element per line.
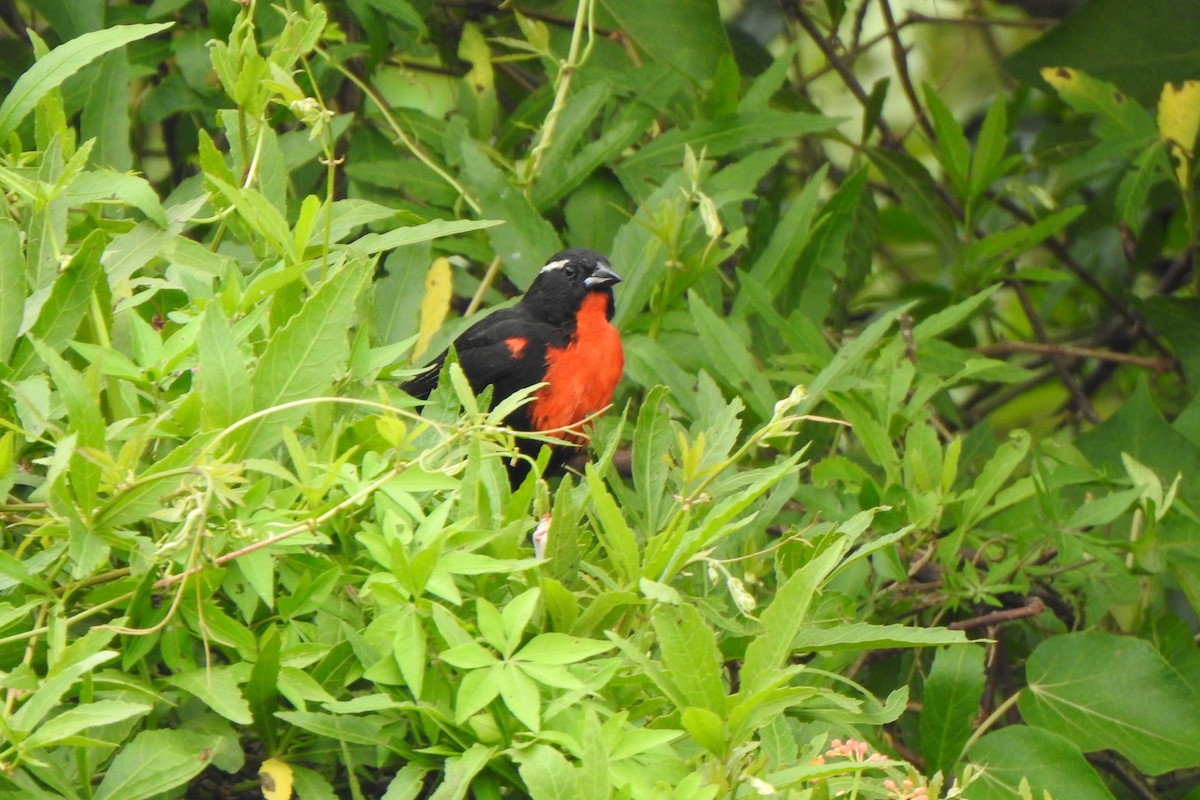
<point x="556" y="265"/>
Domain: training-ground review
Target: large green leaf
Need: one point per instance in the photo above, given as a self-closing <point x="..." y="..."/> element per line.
<point x="1138" y="428"/>
<point x="303" y="357"/>
<point x="528" y="240"/>
<point x="156" y="762"/>
<point x="689" y="652"/>
<point x="61" y="63"/>
<point x="1106" y="692"/>
<point x="1049" y="762"/>
<point x="950" y="704"/>
<point x="1138" y="46"/>
<point x="686" y="34"/>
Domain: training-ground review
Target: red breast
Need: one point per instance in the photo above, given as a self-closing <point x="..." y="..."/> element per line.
<point x="582" y="376"/>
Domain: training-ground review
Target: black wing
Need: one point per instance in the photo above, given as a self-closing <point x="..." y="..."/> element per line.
<point x="487" y="358"/>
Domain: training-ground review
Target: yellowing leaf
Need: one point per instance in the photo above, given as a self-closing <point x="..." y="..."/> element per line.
<point x="276" y="777"/>
<point x="1179" y="122"/>
<point x="436" y="303"/>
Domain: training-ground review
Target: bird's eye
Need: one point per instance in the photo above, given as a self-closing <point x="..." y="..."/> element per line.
<point x="569" y="270"/>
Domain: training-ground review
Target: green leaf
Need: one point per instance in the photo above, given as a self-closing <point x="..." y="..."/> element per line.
<point x="953" y="150"/>
<point x="918" y="193"/>
<point x="651" y="443"/>
<point x="524" y="244"/>
<point x="262" y="692"/>
<point x="373" y="243"/>
<point x="546" y="772"/>
<point x="155" y="762"/>
<point x="720" y="137"/>
<point x="988" y="159"/>
<point x="707" y="728"/>
<point x="1102" y="691"/>
<point x="688" y="35"/>
<point x="302" y="358"/>
<point x="409" y="649"/>
<point x="68" y="303"/>
<point x="1138" y="46"/>
<point x="217" y="688"/>
<point x="520" y="695"/>
<point x="80" y="718"/>
<point x="616" y="537"/>
<point x="224" y="380"/>
<point x="107" y="186"/>
<point x="950" y="705"/>
<point x="460" y="770"/>
<point x="338" y="727"/>
<point x="259" y="215"/>
<point x="730" y="350"/>
<point x="993" y="477"/>
<point x="1138" y="429"/>
<point x="12" y="286"/>
<point x="477" y="688"/>
<point x="1049" y="762"/>
<point x="106" y="115"/>
<point x="767" y="654"/>
<point x="62" y="62"/>
<point x="689" y="652"/>
<point x="865" y="636"/>
<point x="559" y="648"/>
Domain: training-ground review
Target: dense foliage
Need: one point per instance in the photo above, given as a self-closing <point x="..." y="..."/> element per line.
<point x="897" y="500"/>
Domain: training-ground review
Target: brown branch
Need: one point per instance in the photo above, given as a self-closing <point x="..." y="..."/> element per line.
<point x="1032" y="607"/>
<point x="900" y="58"/>
<point x="1082" y="404"/>
<point x="839" y="65"/>
<point x="1157" y="364"/>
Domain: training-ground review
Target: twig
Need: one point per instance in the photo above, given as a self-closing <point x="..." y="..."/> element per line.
<point x="915" y="18"/>
<point x="900" y="58"/>
<point x="411" y="144"/>
<point x="1156" y="364"/>
<point x="489" y="278"/>
<point x="562" y="83"/>
<point x="1082" y="404"/>
<point x="1059" y="251"/>
<point x="1033" y="606"/>
<point x="838" y="64"/>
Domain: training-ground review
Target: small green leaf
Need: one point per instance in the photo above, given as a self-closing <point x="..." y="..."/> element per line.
<point x="559" y="648"/>
<point x="80" y="718"/>
<point x="707" y="728"/>
<point x="954" y="152"/>
<point x="155" y="762"/>
<point x="217" y="688"/>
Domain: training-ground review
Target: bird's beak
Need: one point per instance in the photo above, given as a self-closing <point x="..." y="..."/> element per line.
<point x="603" y="276"/>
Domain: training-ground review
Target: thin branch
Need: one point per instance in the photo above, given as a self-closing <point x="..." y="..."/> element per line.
<point x="1157" y="364"/>
<point x="1033" y="606"/>
<point x="1082" y="404"/>
<point x="489" y="278"/>
<point x="839" y="65"/>
<point x="900" y="58"/>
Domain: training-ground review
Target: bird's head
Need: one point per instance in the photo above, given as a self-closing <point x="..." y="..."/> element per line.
<point x="569" y="277"/>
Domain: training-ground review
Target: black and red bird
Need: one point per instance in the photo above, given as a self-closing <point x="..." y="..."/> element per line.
<point x="559" y="333"/>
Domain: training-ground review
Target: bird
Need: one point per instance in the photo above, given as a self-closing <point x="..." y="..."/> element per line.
<point x="559" y="333"/>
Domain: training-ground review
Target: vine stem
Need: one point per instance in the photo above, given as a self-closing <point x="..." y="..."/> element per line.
<point x="992" y="719"/>
<point x="405" y="139"/>
<point x="584" y="13"/>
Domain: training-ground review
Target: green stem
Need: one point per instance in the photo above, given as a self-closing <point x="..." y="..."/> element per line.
<point x="562" y="84"/>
